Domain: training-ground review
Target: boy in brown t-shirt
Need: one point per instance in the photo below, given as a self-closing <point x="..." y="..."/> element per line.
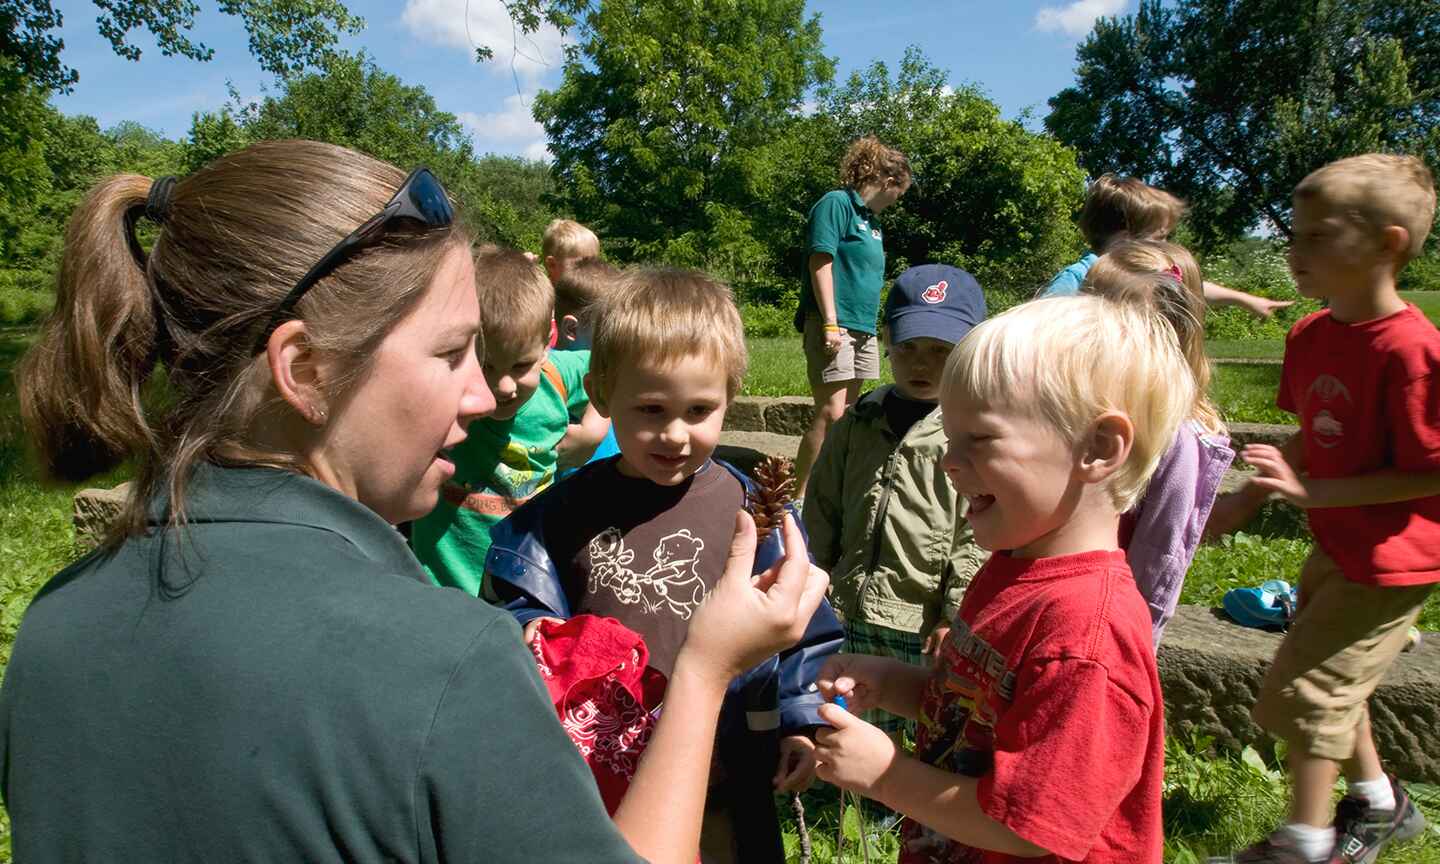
<point x="643" y="536"/>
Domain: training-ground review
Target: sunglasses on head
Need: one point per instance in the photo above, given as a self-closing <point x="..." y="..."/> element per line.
<point x="420" y="198"/>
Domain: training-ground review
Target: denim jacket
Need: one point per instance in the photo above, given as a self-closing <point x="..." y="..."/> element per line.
<point x="774" y="698"/>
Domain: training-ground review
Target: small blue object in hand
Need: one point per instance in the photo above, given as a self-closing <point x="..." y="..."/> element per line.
<point x="840" y="701"/>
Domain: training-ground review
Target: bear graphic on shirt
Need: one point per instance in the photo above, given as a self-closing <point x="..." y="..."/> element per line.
<point x="672" y="583"/>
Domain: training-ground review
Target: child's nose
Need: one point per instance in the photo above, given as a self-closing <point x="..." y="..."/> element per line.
<point x="673" y="432"/>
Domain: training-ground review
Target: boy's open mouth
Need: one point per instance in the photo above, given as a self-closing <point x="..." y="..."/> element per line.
<point x="979" y="503"/>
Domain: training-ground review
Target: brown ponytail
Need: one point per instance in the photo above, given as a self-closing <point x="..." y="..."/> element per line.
<point x="870" y="163"/>
<point x="237" y="235"/>
<point x="80" y="384"/>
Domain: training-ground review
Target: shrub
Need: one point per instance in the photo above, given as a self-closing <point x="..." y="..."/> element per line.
<point x="1422" y="274"/>
<point x="1255" y="266"/>
<point x="25" y="296"/>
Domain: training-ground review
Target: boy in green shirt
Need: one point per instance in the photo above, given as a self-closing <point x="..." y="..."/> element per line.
<point x="510" y="455"/>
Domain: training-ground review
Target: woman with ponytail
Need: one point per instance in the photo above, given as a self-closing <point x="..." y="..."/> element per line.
<point x="845" y="270"/>
<point x="253" y="666"/>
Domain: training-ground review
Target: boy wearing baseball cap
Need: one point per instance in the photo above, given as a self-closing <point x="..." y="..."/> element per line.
<point x="881" y="514"/>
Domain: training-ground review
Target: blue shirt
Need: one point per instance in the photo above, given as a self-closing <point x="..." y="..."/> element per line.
<point x="1069" y="280"/>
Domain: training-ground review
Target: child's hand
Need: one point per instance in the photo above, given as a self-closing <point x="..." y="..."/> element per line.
<point x="852" y="754"/>
<point x="796" y="770"/>
<point x="745" y="619"/>
<point x="859" y="678"/>
<point x="1264" y="307"/>
<point x="931" y="648"/>
<point x="1276" y="474"/>
<point x="532" y="627"/>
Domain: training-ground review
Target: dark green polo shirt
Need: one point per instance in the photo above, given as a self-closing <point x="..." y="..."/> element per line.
<point x="841" y="226"/>
<point x="281" y="683"/>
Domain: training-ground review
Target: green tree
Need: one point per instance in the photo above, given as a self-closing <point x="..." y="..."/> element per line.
<point x="990" y="196"/>
<point x="661" y="108"/>
<point x="1229" y="103"/>
<point x="354" y="103"/>
<point x="24" y="176"/>
<point x="286" y="36"/>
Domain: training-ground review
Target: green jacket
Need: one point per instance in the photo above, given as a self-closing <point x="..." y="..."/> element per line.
<point x="885" y="521"/>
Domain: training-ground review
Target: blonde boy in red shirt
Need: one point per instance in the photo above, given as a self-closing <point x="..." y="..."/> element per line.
<point x="1361" y="375"/>
<point x="1042" y="732"/>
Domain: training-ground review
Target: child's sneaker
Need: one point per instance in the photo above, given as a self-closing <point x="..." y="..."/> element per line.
<point x="1360" y="832"/>
<point x="1267" y="851"/>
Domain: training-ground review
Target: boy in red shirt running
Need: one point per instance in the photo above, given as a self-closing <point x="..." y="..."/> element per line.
<point x="1042" y="729"/>
<point x="1361" y="375"/>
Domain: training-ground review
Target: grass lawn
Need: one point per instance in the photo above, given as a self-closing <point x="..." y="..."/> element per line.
<point x="1428" y="302"/>
<point x="1247" y="349"/>
<point x="1212" y="802"/>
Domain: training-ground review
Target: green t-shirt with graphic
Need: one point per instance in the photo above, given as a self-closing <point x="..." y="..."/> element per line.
<point x="842" y="227"/>
<point x="502" y="464"/>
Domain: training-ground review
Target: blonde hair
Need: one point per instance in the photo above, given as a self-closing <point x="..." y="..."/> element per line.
<point x="870" y="163"/>
<point x="236" y="237"/>
<point x="1120" y="207"/>
<point x="662" y="316"/>
<point x="1379" y="190"/>
<point x="516" y="299"/>
<point x="1163" y="279"/>
<point x="582" y="283"/>
<point x="1066" y="361"/>
<point x="566" y="238"/>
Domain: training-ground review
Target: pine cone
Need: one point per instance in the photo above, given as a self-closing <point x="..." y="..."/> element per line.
<point x="775" y="487"/>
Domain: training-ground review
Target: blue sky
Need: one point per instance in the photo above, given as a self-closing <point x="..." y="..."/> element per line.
<point x="1020" y="52"/>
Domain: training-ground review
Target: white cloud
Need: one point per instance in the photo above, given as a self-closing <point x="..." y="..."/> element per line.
<point x="512" y="129"/>
<point x="468" y="24"/>
<point x="1076" y="18"/>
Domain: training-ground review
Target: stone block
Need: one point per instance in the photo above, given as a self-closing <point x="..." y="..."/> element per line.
<point x="1259" y="433"/>
<point x="789" y="415"/>
<point x="745" y="450"/>
<point x="95" y="509"/>
<point x="745" y="414"/>
<point x="1211" y="669"/>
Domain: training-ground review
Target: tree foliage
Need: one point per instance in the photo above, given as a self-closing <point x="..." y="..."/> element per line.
<point x="1229" y="103"/>
<point x="354" y="103"/>
<point x="991" y="196"/>
<point x="662" y="104"/>
<point x="286" y="36"/>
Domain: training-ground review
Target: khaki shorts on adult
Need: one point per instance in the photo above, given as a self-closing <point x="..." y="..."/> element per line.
<point x="1343" y="640"/>
<point x="857" y="359"/>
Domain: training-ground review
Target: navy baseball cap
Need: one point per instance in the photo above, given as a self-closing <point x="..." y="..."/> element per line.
<point x="934" y="300"/>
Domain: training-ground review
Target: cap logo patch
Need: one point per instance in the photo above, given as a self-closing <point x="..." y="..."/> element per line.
<point x="936" y="293"/>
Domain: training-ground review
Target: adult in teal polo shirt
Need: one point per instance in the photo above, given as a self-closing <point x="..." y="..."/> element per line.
<point x="254" y="667"/>
<point x="845" y="270"/>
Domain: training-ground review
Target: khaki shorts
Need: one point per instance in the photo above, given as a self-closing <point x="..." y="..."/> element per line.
<point x="857" y="360"/>
<point x="1343" y="640"/>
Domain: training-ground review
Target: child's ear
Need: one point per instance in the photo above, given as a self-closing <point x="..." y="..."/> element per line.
<point x="1107" y="447"/>
<point x="597" y="398"/>
<point x="1395" y="239"/>
<point x="569" y="329"/>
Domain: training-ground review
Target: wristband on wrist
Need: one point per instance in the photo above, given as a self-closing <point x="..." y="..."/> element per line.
<point x="833" y="328"/>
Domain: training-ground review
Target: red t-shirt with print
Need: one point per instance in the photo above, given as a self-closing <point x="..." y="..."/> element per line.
<point x="1367" y="402"/>
<point x="1046" y="690"/>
